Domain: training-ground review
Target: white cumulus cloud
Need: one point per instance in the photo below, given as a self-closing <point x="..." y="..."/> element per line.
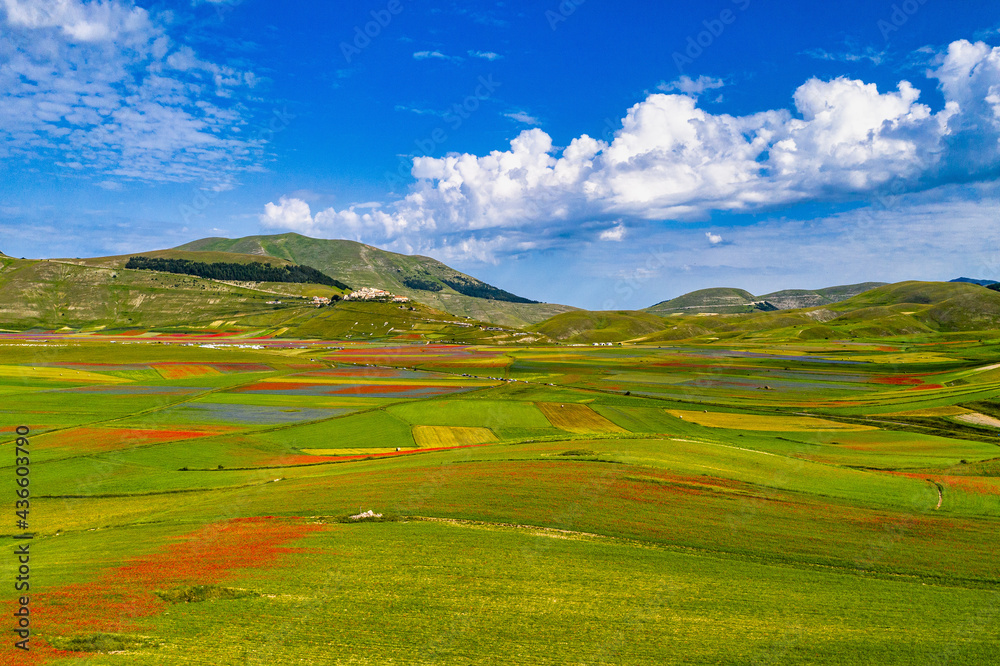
<point x="843" y="139"/>
<point x="288" y="214"/>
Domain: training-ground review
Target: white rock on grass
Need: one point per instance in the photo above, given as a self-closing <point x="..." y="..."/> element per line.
<point x="367" y="514"/>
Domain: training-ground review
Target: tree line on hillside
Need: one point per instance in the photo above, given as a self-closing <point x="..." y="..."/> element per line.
<point x="424" y="284"/>
<point x="220" y="270"/>
<point x="482" y="290"/>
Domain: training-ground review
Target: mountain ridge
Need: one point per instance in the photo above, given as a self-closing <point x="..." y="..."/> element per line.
<point x="981" y="282"/>
<point x="421" y="278"/>
<point x="731" y="300"/>
<point x="902" y="308"/>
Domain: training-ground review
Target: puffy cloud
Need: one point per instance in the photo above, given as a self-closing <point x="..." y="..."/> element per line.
<point x="714" y="239"/>
<point x="101" y="84"/>
<point x="296" y="215"/>
<point x="78" y="22"/>
<point x="672" y="160"/>
<point x="288" y="214"/>
<point x="969" y="75"/>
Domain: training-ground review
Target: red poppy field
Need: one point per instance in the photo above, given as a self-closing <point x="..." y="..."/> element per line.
<point x="415" y="503"/>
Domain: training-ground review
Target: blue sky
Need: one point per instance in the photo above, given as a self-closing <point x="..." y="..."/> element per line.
<point x="604" y="155"/>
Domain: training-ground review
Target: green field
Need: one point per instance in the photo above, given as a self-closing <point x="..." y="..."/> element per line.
<point x="766" y="502"/>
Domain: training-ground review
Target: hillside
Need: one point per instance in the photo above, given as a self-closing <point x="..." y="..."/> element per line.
<point x="720" y="300"/>
<point x="283" y="288"/>
<point x="119" y="261"/>
<point x="791" y="299"/>
<point x="421" y="278"/>
<point x="582" y="326"/>
<point x="904" y="308"/>
<point x="728" y="300"/>
<point x="55" y="295"/>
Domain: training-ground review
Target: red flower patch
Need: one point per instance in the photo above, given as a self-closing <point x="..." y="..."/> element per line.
<point x="386" y="388"/>
<point x="279" y="386"/>
<point x="898" y="380"/>
<point x="118" y="597"/>
<point x="354" y="372"/>
<point x="95" y="440"/>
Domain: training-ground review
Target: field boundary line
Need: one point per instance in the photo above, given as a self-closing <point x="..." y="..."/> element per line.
<point x="162" y="492"/>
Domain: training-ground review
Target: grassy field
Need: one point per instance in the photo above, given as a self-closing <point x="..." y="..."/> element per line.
<point x="780" y="502"/>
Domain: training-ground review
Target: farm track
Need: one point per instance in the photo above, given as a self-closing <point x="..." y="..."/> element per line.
<point x="940" y="492"/>
<point x="959" y="432"/>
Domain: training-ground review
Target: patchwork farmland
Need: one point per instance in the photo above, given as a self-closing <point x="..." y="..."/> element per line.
<point x="788" y="502"/>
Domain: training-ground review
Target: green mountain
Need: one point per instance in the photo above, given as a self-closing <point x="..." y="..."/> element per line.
<point x="979" y="281"/>
<point x="791" y="299"/>
<point x="728" y="300"/>
<point x="720" y="300"/>
<point x="904" y="308"/>
<point x="54" y="294"/>
<point x="582" y="326"/>
<point x="101" y="295"/>
<point x="421" y="278"/>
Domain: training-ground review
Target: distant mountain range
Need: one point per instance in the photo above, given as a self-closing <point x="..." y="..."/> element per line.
<point x="903" y="308"/>
<point x="728" y="300"/>
<point x="984" y="283"/>
<point x="102" y="293"/>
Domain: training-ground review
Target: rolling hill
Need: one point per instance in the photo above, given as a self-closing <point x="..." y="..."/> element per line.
<point x="791" y="299"/>
<point x="98" y="295"/>
<point x="720" y="300"/>
<point x="54" y="294"/>
<point x="101" y="293"/>
<point x="581" y="326"/>
<point x="904" y="308"/>
<point x="729" y="300"/>
<point x="421" y="278"/>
